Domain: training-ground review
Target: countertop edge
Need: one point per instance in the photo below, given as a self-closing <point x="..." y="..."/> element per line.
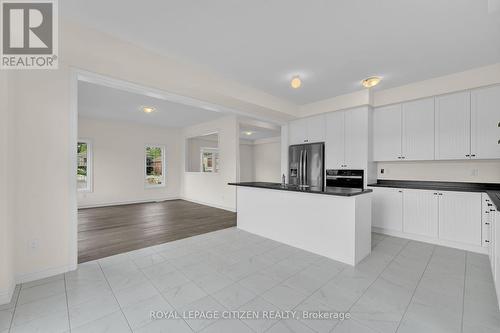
<point x="494" y="194"/>
<point x="365" y="191"/>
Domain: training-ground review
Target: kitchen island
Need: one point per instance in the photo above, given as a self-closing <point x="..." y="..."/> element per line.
<point x="335" y="223"/>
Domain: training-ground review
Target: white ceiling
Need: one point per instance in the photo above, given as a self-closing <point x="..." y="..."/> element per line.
<point x="332" y="44"/>
<point x="97" y="101"/>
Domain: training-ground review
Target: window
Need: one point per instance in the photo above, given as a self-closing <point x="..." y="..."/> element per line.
<point x="155" y="166"/>
<point x="84" y="166"/>
<point x="209" y="159"/>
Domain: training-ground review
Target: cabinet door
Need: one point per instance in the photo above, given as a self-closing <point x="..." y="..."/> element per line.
<point x="485" y="123"/>
<point x="460" y="217"/>
<point x="356" y="138"/>
<point x="387" y="133"/>
<point x="297" y="132"/>
<point x="387" y="208"/>
<point x="420" y="212"/>
<point x="453" y="126"/>
<point x="334" y="143"/>
<point x="493" y="245"/>
<point x="316" y="129"/>
<point x="418" y="129"/>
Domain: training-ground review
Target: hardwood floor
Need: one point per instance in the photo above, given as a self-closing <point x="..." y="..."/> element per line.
<point x="106" y="231"/>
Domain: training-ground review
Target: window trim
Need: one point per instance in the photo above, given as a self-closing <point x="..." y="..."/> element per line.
<point x="163" y="166"/>
<point x="90" y="166"/>
<point x="208" y="150"/>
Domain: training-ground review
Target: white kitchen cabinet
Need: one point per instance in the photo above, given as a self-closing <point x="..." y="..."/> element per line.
<point x="492" y="249"/>
<point x="420" y="212"/>
<point x="356" y="138"/>
<point x="488" y="216"/>
<point x="346" y="143"/>
<point x="335" y="140"/>
<point x="452" y="126"/>
<point x="297" y="131"/>
<point x="387" y="133"/>
<point x="315" y="129"/>
<point x="496" y="252"/>
<point x="307" y="130"/>
<point x="418" y="130"/>
<point x="460" y="217"/>
<point x="485" y="123"/>
<point x="387" y="208"/>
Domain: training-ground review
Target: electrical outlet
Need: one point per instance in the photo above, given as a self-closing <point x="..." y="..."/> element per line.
<point x="382" y="171"/>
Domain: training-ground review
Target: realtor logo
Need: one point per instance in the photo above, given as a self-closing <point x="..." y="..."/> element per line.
<point x="29" y="34"/>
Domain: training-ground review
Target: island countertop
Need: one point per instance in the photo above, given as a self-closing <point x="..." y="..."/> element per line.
<point x="339" y="191"/>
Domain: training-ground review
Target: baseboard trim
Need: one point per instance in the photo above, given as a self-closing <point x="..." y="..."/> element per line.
<point x="6" y="296"/>
<point x="231" y="209"/>
<point x="131" y="202"/>
<point x="28" y="277"/>
<point x="455" y="245"/>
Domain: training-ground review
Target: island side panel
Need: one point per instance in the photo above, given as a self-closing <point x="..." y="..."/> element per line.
<point x="322" y="224"/>
<point x="363" y="242"/>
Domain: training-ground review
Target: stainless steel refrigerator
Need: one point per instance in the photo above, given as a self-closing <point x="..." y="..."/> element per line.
<point x="307" y="166"/>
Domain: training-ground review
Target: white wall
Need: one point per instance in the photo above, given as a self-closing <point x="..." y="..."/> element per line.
<point x="212" y="188"/>
<point x="474" y="78"/>
<point x="453" y="171"/>
<point x="194" y="149"/>
<point x="41" y="145"/>
<point x="118" y="162"/>
<point x="267" y="160"/>
<point x="247" y="173"/>
<point x="6" y="231"/>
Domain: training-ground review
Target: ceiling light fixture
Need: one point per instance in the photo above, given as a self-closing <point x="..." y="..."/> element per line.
<point x="371" y="81"/>
<point x="248" y="133"/>
<point x="296" y="82"/>
<point x="148" y="109"/>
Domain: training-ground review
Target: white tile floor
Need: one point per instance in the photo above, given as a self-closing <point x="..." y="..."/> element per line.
<point x="403" y="286"/>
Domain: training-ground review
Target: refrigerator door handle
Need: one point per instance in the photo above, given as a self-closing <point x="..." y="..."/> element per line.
<point x="305" y="167"/>
<point x="300" y="168"/>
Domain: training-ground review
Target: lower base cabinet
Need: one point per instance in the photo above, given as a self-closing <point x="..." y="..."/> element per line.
<point x="454" y="217"/>
<point x="420" y="213"/>
<point x="460" y="217"/>
<point x="389" y="209"/>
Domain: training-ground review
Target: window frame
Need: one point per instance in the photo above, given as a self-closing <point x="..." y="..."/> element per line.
<point x="90" y="164"/>
<point x="212" y="150"/>
<point x="163" y="166"/>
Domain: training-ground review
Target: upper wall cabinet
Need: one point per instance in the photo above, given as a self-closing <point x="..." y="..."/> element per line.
<point x="387" y="133"/>
<point x="307" y="130"/>
<point x="418" y="130"/>
<point x="485" y="123"/>
<point x="404" y="131"/>
<point x="452" y="125"/>
<point x="335" y="137"/>
<point x="347" y="139"/>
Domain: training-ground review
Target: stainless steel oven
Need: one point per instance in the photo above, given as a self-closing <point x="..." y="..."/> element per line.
<point x="344" y="178"/>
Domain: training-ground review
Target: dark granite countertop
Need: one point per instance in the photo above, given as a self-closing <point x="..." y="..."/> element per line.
<point x="492" y="189"/>
<point x="339" y="191"/>
<point x="495" y="198"/>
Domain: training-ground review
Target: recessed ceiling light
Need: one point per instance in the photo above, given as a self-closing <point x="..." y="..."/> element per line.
<point x="296" y="82"/>
<point x="248" y="133"/>
<point x="148" y="109"/>
<point x="371" y="81"/>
